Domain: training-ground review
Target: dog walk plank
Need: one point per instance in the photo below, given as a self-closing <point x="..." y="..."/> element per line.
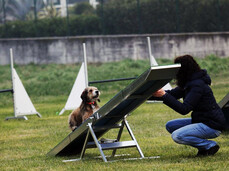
<point x="118" y="107"/>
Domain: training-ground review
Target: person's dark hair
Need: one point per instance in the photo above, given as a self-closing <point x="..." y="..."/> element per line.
<point x="188" y="67"/>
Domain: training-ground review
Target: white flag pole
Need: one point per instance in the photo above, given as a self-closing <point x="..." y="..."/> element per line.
<point x="85" y="63"/>
<point x="12" y="78"/>
<point x="11" y="59"/>
<point x="153" y="62"/>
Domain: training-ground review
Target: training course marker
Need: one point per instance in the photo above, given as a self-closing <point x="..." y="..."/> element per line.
<point x="153" y="62"/>
<point x="22" y="103"/>
<point x="114" y="112"/>
<point x="80" y="84"/>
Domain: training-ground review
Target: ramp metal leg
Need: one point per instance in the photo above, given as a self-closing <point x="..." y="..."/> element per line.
<point x="111" y="145"/>
<point x="133" y="137"/>
<point x="84" y="146"/>
<point x="97" y="142"/>
<point x="118" y="137"/>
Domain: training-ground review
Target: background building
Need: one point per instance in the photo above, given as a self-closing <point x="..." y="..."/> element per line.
<point x="61" y="4"/>
<point x="26" y="9"/>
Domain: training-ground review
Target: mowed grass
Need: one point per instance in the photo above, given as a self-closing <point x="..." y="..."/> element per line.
<point x="24" y="144"/>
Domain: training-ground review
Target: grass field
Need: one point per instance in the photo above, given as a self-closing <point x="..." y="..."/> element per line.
<point x="24" y="144"/>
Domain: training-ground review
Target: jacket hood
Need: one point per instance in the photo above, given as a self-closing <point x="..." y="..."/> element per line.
<point x="202" y="74"/>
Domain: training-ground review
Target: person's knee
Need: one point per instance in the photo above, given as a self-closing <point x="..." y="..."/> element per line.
<point x="177" y="138"/>
<point x="168" y="127"/>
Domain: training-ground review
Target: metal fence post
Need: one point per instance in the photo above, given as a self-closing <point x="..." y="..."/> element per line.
<point x="35" y="16"/>
<point x="219" y="23"/>
<point x="102" y="18"/>
<point x="139" y="17"/>
<point x="177" y="17"/>
<point x="4" y="18"/>
<point x="67" y="17"/>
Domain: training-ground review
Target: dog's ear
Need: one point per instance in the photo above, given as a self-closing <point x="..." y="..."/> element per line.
<point x="84" y="95"/>
<point x="98" y="100"/>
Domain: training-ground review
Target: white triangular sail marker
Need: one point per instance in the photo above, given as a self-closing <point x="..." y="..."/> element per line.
<point x="74" y="99"/>
<point x="80" y="84"/>
<point x="22" y="103"/>
<point x="153" y="62"/>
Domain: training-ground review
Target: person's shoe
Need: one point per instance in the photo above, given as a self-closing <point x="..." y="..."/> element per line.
<point x="201" y="153"/>
<point x="213" y="150"/>
<point x="210" y="151"/>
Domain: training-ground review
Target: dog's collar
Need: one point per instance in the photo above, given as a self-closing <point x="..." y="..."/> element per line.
<point x="91" y="103"/>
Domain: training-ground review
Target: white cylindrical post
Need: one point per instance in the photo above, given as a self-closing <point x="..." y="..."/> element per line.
<point x="85" y="63"/>
<point x="153" y="62"/>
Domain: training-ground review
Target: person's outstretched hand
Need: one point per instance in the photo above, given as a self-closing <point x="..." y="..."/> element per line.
<point x="159" y="93"/>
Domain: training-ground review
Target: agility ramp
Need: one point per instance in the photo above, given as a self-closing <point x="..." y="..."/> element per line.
<point x="112" y="113"/>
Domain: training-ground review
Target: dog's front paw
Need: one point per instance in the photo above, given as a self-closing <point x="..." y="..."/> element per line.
<point x="73" y="128"/>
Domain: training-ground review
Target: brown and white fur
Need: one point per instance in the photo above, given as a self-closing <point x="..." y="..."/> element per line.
<point x="88" y="106"/>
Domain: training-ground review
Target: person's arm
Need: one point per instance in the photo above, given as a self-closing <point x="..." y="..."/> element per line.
<point x="176" y="92"/>
<point x="190" y="101"/>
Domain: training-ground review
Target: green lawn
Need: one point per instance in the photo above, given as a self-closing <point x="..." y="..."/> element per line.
<point x="24" y="144"/>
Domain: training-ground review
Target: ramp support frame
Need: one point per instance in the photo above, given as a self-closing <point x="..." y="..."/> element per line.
<point x="110" y="145"/>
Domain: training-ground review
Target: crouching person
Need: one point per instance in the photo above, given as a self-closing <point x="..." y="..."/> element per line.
<point x="207" y="119"/>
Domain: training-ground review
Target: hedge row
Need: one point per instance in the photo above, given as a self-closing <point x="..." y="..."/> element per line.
<point x="165" y="16"/>
<point x="129" y="17"/>
<point x="77" y="25"/>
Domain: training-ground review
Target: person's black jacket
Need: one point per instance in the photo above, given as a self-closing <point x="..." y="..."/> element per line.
<point x="198" y="98"/>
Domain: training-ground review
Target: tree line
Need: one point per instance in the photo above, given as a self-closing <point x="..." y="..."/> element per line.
<point x="127" y="17"/>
